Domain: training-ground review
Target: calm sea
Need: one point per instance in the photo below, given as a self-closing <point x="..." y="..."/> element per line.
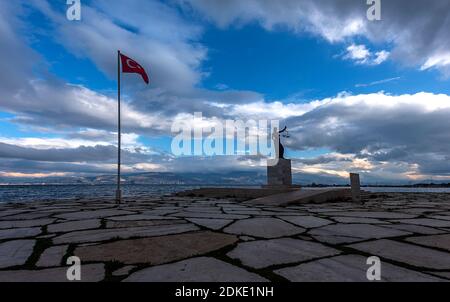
<point x="19" y="193"/>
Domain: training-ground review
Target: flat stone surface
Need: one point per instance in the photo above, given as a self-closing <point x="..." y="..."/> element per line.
<point x="441" y="217"/>
<point x="346" y="233"/>
<point x="406" y="253"/>
<point x="306" y="221"/>
<point x="25" y="223"/>
<point x="214" y="224"/>
<point x="246" y="238"/>
<point x="156" y="250"/>
<point x="123" y="233"/>
<point x="52" y="256"/>
<point x="74" y="226"/>
<point x="438" y="241"/>
<point x="149" y="232"/>
<point x="415" y="229"/>
<point x="202" y="269"/>
<point x="374" y="214"/>
<point x="426" y="222"/>
<point x="442" y="274"/>
<point x="19" y="233"/>
<point x="209" y="215"/>
<point x="140" y="217"/>
<point x="9" y="212"/>
<point x="264" y="253"/>
<point x="349" y="268"/>
<point x="300" y="196"/>
<point x="358" y="220"/>
<point x="93" y="214"/>
<point x="25" y="216"/>
<point x="140" y="223"/>
<point x="263" y="227"/>
<point x="123" y="271"/>
<point x="89" y="273"/>
<point x="15" y="252"/>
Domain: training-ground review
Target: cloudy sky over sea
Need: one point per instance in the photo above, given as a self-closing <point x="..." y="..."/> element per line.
<point x="371" y="97"/>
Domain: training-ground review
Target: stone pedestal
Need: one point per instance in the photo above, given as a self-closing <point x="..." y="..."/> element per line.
<point x="279" y="173"/>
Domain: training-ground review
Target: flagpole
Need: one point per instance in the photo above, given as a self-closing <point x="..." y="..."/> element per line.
<point x="118" y="191"/>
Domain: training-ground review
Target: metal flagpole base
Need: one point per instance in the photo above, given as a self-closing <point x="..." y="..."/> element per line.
<point x="118" y="196"/>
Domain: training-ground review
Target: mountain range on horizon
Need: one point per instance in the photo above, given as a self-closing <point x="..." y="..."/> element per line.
<point x="250" y="178"/>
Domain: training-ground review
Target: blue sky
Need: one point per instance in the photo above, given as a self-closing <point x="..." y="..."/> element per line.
<point x="336" y="80"/>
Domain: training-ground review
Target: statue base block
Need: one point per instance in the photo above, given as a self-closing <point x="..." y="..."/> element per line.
<point x="279" y="173"/>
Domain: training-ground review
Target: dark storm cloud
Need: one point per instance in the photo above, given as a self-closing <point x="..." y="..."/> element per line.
<point x="97" y="153"/>
<point x="352" y="129"/>
<point x="30" y="166"/>
<point x="323" y="159"/>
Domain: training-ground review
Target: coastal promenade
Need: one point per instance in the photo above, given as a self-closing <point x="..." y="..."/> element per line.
<point x="175" y="238"/>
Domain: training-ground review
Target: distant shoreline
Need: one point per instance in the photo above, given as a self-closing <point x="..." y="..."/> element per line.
<point x="430" y="185"/>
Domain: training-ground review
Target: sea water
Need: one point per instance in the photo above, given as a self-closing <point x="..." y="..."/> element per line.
<point x="22" y="193"/>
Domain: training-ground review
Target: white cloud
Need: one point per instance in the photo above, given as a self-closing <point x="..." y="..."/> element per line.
<point x="358" y="52"/>
<point x="151" y="32"/>
<point x="361" y="55"/>
<point x="437" y="61"/>
<point x="414" y="34"/>
<point x="381" y="56"/>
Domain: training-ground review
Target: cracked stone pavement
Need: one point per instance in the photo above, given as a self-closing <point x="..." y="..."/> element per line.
<point x="200" y="239"/>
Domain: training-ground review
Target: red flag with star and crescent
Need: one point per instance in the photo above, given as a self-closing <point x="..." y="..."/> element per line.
<point x="131" y="66"/>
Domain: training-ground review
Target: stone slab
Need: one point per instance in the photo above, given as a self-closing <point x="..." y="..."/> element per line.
<point x="306" y="221"/>
<point x="417" y="229"/>
<point x="123" y="271"/>
<point x="347" y="233"/>
<point x="209" y="215"/>
<point x="213" y="224"/>
<point x="89" y="273"/>
<point x="15" y="252"/>
<point x="158" y="250"/>
<point x="74" y="226"/>
<point x="25" y="216"/>
<point x="426" y="222"/>
<point x="122" y="233"/>
<point x="263" y="227"/>
<point x="264" y="253"/>
<point x="141" y="223"/>
<point x="349" y="268"/>
<point x="19" y="233"/>
<point x="439" y="241"/>
<point x="25" y="223"/>
<point x="372" y="214"/>
<point x="201" y="269"/>
<point x="301" y="197"/>
<point x="407" y="253"/>
<point x="52" y="256"/>
<point x="358" y="220"/>
<point x="140" y="217"/>
<point x="93" y="214"/>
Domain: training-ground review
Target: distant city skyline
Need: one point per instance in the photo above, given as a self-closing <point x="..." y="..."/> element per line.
<point x="363" y="96"/>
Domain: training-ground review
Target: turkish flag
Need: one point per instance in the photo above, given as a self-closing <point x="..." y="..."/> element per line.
<point x="131" y="66"/>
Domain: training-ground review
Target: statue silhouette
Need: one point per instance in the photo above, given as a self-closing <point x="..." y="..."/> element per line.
<point x="277" y="140"/>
